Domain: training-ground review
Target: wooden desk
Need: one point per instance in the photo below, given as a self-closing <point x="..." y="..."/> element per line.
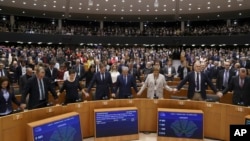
<point x="217" y="116"/>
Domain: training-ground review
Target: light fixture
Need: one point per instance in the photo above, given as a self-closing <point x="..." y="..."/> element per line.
<point x="24" y="3"/>
<point x="156" y="3"/>
<point x="90" y="2"/>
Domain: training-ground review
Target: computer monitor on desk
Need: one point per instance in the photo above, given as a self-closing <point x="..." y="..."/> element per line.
<point x="58" y="128"/>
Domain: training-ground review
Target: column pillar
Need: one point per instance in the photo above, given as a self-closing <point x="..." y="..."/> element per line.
<point x="12" y="22"/>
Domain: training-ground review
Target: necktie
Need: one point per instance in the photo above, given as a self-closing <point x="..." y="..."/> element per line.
<point x="125" y="80"/>
<point x="198" y="82"/>
<point x="41" y="87"/>
<point x="241" y="83"/>
<point x="226" y="79"/>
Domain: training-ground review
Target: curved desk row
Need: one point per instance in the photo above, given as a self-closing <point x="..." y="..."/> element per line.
<point x="217" y="116"/>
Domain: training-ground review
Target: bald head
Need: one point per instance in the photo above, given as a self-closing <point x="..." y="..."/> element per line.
<point x="197" y="66"/>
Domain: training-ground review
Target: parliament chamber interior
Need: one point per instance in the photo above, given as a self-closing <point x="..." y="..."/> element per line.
<point x="120" y="70"/>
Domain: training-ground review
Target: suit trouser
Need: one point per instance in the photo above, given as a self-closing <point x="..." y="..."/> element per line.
<point x="197" y="97"/>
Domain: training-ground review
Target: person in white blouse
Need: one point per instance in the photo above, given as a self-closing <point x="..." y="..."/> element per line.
<point x="114" y="73"/>
<point x="155" y="83"/>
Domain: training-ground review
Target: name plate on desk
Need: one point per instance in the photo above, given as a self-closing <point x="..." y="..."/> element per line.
<point x="116" y="123"/>
<point x="180" y="123"/>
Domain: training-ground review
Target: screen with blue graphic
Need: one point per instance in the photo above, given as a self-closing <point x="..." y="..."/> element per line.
<point x="247" y="121"/>
<point x="67" y="129"/>
<point x="116" y="123"/>
<point x="180" y="125"/>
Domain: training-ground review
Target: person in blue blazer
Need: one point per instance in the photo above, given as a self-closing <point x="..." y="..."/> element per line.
<point x="6" y="97"/>
<point x="124" y="83"/>
<point x="103" y="82"/>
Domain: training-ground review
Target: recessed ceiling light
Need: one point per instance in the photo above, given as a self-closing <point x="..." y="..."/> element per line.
<point x="88" y="8"/>
<point x="229" y="5"/>
<point x="54" y="6"/>
<point x="156" y="18"/>
<point x="80" y="8"/>
<point x="0" y="9"/>
<point x="180" y="9"/>
<point x="190" y="4"/>
<point x="80" y="3"/>
<point x="165" y="5"/>
<point x="63" y="7"/>
<point x="208" y="7"/>
<point x="122" y="19"/>
<point x="199" y="8"/>
<point x="246" y="44"/>
<point x="44" y="14"/>
<point x="106" y="9"/>
<point x="114" y="10"/>
<point x="114" y="5"/>
<point x="97" y="4"/>
<point x="131" y="5"/>
<point x="13" y="1"/>
<point x="147" y="10"/>
<point x="240" y="14"/>
<point x="139" y="10"/>
<point x="164" y="9"/>
<point x="198" y="17"/>
<point x="240" y="4"/>
<point x="173" y="0"/>
<point x="130" y="10"/>
<point x="147" y="5"/>
<point x="71" y="7"/>
<point x="139" y="1"/>
<point x="228" y="0"/>
<point x="106" y="0"/>
<point x="218" y="6"/>
<point x="173" y="9"/>
<point x="44" y="5"/>
<point x="105" y="17"/>
<point x="156" y="10"/>
<point x="97" y="9"/>
<point x="34" y="4"/>
<point x="189" y="9"/>
<point x="62" y="15"/>
<point x="122" y="10"/>
<point x="139" y="18"/>
<point x="2" y="0"/>
<point x="218" y="15"/>
<point x="209" y="2"/>
<point x="123" y="1"/>
<point x="24" y="12"/>
<point x="24" y="3"/>
<point x="54" y="1"/>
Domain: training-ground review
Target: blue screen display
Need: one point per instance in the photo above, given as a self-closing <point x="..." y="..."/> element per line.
<point x="180" y="125"/>
<point x="116" y="123"/>
<point x="247" y="121"/>
<point x="67" y="129"/>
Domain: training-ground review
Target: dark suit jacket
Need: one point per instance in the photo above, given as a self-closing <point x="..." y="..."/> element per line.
<point x="239" y="94"/>
<point x="6" y="73"/>
<point x="82" y="71"/>
<point x="214" y="72"/>
<point x="173" y="73"/>
<point x="136" y="74"/>
<point x="53" y="76"/>
<point x="7" y="104"/>
<point x="181" y="71"/>
<point x="22" y="83"/>
<point x="220" y="78"/>
<point x="19" y="72"/>
<point x="125" y="88"/>
<point x="190" y="78"/>
<point x="103" y="87"/>
<point x="32" y="88"/>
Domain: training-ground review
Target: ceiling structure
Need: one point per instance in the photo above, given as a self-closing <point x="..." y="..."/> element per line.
<point x="128" y="10"/>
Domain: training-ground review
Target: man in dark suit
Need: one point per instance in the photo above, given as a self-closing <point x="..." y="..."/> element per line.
<point x="3" y="71"/>
<point x="240" y="85"/>
<point x="124" y="83"/>
<point x="197" y="84"/>
<point x="24" y="79"/>
<point x="103" y="82"/>
<point x="215" y="70"/>
<point x="80" y="71"/>
<point x="51" y="73"/>
<point x="224" y="77"/>
<point x="21" y="69"/>
<point x="183" y="70"/>
<point x="134" y="72"/>
<point x="169" y="71"/>
<point x="37" y="87"/>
